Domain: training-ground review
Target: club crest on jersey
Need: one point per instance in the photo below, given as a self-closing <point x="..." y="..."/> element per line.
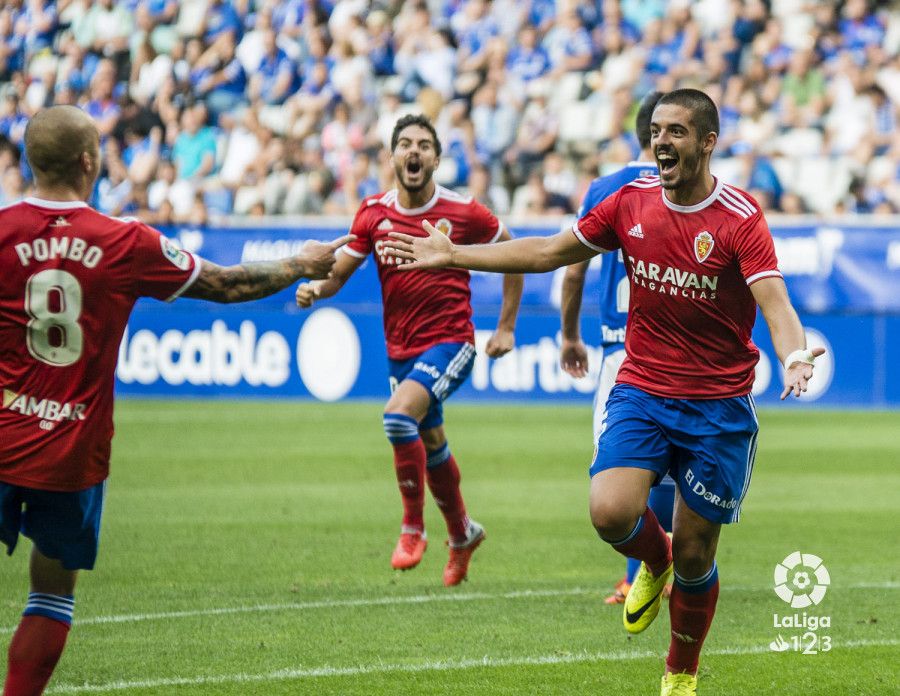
<point x="443" y="226"/>
<point x="703" y="246"/>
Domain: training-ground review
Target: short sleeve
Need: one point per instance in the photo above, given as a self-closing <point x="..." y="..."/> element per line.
<point x="360" y="247"/>
<point x="595" y="228"/>
<point x="159" y="268"/>
<point x="483" y="226"/>
<point x="755" y="250"/>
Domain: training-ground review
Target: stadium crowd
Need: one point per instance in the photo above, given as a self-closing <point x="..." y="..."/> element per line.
<point x="254" y="107"/>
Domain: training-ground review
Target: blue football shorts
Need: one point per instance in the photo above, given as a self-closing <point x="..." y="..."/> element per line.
<point x="613" y="357"/>
<point x="62" y="525"/>
<point x="706" y="445"/>
<point x="440" y="369"/>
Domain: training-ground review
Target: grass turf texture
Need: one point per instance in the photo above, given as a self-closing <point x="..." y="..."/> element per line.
<point x="285" y="514"/>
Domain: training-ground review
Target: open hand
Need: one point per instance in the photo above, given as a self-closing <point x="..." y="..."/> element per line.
<point x="433" y="251"/>
<point x="573" y="358"/>
<point x="318" y="257"/>
<point x="797" y="376"/>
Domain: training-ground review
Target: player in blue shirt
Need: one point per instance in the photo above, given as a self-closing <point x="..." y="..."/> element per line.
<point x="614" y="294"/>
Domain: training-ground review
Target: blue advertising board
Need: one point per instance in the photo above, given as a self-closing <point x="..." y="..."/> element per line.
<point x="845" y="280"/>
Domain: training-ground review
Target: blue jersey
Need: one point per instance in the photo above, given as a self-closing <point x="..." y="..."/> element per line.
<point x="614" y="290"/>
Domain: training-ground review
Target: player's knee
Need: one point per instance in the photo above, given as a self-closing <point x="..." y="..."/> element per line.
<point x="611" y="519"/>
<point x="400" y="428"/>
<point x="693" y="555"/>
<point x="434" y="440"/>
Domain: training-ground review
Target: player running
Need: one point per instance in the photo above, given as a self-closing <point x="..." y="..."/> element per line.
<point x="614" y="289"/>
<point x="429" y="334"/>
<point x="700" y="257"/>
<point x="70" y="277"/>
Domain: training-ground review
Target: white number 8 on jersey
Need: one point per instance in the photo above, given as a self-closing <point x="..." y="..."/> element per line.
<point x="68" y="343"/>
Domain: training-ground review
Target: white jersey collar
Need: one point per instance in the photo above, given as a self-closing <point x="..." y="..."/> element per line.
<point x="55" y="205"/>
<point x="421" y="209"/>
<point x="705" y="203"/>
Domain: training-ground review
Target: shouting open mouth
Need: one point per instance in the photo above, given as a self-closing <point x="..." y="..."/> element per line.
<point x="666" y="160"/>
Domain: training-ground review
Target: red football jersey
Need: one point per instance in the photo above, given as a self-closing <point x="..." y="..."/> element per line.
<point x="691" y="267"/>
<point x="422" y="308"/>
<point x="70" y="277"/>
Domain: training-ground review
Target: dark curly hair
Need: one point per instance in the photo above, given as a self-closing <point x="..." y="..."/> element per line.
<point x="415" y="120"/>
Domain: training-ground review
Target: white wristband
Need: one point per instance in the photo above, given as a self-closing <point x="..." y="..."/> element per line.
<point x="803" y="355"/>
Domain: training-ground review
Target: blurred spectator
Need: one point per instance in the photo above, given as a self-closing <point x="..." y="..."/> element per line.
<point x="535" y="137"/>
<point x="528" y="60"/>
<point x="569" y="44"/>
<point x="482" y="190"/>
<point x="803" y="92"/>
<point x="221" y="18"/>
<point x="105" y="31"/>
<point x="274" y="77"/>
<point x="194" y="150"/>
<point x="141" y="155"/>
<point x="862" y="199"/>
<point x="113" y="191"/>
<point x="495" y="123"/>
<point x="220" y="81"/>
<point x="426" y="61"/>
<point x="756" y="175"/>
<point x="12" y="185"/>
<point x="534" y="199"/>
<point x="860" y="30"/>
<point x="102" y="106"/>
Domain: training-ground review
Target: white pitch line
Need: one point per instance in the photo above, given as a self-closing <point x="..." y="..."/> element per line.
<point x="390" y="601"/>
<point x="430" y="666"/>
<point x="324" y="604"/>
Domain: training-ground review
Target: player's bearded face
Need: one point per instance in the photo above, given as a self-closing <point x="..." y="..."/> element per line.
<point x="676" y="146"/>
<point x="415" y="158"/>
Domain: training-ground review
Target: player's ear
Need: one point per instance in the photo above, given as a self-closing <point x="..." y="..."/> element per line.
<point x="709" y="142"/>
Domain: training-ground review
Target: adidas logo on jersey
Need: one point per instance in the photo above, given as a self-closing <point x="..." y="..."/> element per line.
<point x="60" y="222"/>
<point x="636" y="231"/>
<point x="385" y="225"/>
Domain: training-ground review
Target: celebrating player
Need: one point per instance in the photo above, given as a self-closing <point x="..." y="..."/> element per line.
<point x="429" y="334"/>
<point x="700" y="257"/>
<point x="614" y="290"/>
<point x="70" y="277"/>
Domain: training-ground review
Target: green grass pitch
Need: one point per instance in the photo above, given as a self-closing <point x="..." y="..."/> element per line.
<point x="245" y="550"/>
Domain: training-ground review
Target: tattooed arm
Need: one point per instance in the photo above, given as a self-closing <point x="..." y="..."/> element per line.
<point x="251" y="281"/>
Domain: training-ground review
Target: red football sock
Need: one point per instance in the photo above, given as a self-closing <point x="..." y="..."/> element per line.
<point x="650" y="544"/>
<point x="409" y="463"/>
<point x="443" y="480"/>
<point x="691" y="614"/>
<point x="33" y="653"/>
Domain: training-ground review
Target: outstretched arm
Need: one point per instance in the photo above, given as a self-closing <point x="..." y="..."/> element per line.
<point x="252" y="281"/>
<point x="573" y="355"/>
<point x="504" y="338"/>
<point x="787" y="333"/>
<point x="523" y="255"/>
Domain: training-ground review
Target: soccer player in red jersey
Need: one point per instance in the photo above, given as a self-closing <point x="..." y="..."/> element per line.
<point x="429" y="334"/>
<point x="70" y="277"/>
<point x="700" y="258"/>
